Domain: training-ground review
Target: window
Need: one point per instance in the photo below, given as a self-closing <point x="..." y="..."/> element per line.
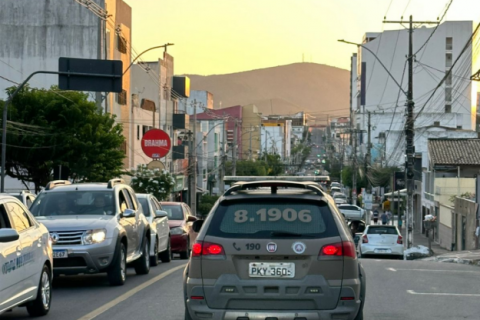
<point x="122" y="200"/>
<point x="448" y="79"/>
<point x="138" y="132"/>
<point x="29" y="202"/>
<point x="174" y="212"/>
<point x="448" y="108"/>
<point x="204" y="173"/>
<point x="122" y="97"/>
<point x="123" y="147"/>
<point x="4" y="220"/>
<point x="436" y="123"/>
<point x="132" y="202"/>
<point x="448" y="94"/>
<point x="216" y="141"/>
<point x="382" y="230"/>
<point x="18" y="216"/>
<point x="121" y="44"/>
<point x="145" y="206"/>
<point x="449" y="43"/>
<point x="145" y="129"/>
<point x="448" y="60"/>
<point x="215" y="161"/>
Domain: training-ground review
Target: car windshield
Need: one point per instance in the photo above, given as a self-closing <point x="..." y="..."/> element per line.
<point x="339" y="196"/>
<point x="145" y="206"/>
<point x="174" y="212"/>
<point x="269" y="218"/>
<point x="73" y="203"/>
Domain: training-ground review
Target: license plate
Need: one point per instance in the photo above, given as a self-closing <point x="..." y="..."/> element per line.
<point x="59" y="254"/>
<point x="383" y="250"/>
<point x="271" y="270"/>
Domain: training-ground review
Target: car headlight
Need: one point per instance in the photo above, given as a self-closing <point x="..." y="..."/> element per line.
<point x="177" y="230"/>
<point x="94" y="236"/>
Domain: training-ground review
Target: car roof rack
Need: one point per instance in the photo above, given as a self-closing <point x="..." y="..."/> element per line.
<point x="57" y="183"/>
<point x="114" y="182"/>
<point x="277" y="178"/>
<point x="274" y="185"/>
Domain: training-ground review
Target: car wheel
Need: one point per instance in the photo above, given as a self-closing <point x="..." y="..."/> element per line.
<point x="41" y="305"/>
<point x="187" y="315"/>
<point x="186" y="254"/>
<point x="118" y="270"/>
<point x="154" y="259"/>
<point x="142" y="265"/>
<point x="166" y="256"/>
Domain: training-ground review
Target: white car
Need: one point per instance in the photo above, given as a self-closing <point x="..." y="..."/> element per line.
<point x="160" y="231"/>
<point x="339" y="198"/>
<point x="351" y="212"/>
<point x="26" y="258"/>
<point x="381" y="240"/>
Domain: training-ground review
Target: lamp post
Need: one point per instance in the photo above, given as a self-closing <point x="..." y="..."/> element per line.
<point x="149" y="49"/>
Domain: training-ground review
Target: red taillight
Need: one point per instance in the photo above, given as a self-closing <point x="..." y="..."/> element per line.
<point x="400" y="240"/>
<point x="346" y="249"/>
<point x="365" y="239"/>
<point x="207" y="249"/>
<point x="196" y="297"/>
<point x="347" y="298"/>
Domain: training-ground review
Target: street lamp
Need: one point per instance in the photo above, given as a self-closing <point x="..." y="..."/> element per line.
<point x="378" y="59"/>
<point x="149" y="49"/>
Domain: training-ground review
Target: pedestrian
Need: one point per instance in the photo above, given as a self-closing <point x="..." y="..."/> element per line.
<point x="384" y="218"/>
<point x="389" y="215"/>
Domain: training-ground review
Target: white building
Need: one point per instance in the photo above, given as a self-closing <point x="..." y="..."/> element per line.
<point x="209" y="153"/>
<point x="275" y="138"/>
<point x="201" y="99"/>
<point x="450" y="113"/>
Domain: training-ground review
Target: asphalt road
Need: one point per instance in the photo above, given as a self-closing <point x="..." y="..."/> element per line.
<point x="403" y="290"/>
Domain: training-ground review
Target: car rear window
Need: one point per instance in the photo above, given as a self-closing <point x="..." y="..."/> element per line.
<point x="348" y="208"/>
<point x="268" y="218"/>
<point x="145" y="206"/>
<point x="382" y="230"/>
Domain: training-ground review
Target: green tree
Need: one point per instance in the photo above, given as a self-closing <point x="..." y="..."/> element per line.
<point x="206" y="204"/>
<point x="274" y="165"/>
<point x="160" y="183"/>
<point x="48" y="128"/>
<point x="247" y="168"/>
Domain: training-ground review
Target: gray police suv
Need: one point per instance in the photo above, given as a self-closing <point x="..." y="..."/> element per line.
<point x="95" y="227"/>
<point x="274" y="250"/>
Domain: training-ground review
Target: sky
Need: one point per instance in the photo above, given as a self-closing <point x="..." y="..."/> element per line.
<point x="227" y="36"/>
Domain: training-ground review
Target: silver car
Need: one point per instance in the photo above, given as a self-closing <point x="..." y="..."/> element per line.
<point x="274" y="250"/>
<point x="381" y="240"/>
<point x="161" y="248"/>
<point x="95" y="228"/>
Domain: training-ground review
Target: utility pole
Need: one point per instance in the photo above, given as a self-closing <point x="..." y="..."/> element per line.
<point x="368" y="159"/>
<point x="193" y="182"/>
<point x="410" y="133"/>
<point x="234" y="150"/>
<point x="190" y="165"/>
<point x="354" y="168"/>
<point x="222" y="161"/>
<point x="250" y="147"/>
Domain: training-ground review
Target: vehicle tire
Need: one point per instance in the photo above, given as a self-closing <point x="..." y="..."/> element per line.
<point x="362" y="296"/>
<point x="187" y="315"/>
<point x="118" y="270"/>
<point x="142" y="265"/>
<point x="186" y="254"/>
<point x="41" y="305"/>
<point x="166" y="256"/>
<point x="154" y="259"/>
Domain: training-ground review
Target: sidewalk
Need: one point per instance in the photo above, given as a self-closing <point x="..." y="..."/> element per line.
<point x="463" y="257"/>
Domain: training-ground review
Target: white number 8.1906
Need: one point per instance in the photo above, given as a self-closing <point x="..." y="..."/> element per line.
<point x="274" y="214"/>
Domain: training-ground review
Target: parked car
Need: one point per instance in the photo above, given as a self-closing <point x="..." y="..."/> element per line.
<point x="26" y="258"/>
<point x="160" y="231"/>
<point x="335" y="189"/>
<point x="274" y="250"/>
<point x="95" y="228"/>
<point x="180" y="219"/>
<point x="381" y="240"/>
<point x="352" y="212"/>
<point x="26" y="197"/>
<point x="336" y="185"/>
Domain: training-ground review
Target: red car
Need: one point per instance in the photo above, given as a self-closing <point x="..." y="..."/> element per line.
<point x="180" y="220"/>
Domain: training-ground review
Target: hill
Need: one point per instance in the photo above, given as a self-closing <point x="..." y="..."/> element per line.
<point x="309" y="87"/>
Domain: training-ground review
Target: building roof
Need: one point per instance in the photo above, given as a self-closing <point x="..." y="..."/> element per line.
<point x="454" y="151"/>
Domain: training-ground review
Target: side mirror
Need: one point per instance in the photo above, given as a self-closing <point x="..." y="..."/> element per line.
<point x="197" y="225"/>
<point x="128" y="213"/>
<point x="161" y="214"/>
<point x="8" y="235"/>
<point x="191" y="219"/>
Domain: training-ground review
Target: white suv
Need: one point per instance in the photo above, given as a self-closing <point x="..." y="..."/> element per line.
<point x="26" y="259"/>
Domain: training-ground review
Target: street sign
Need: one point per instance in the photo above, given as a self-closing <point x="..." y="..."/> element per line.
<point x="156" y="143"/>
<point x="155" y="164"/>
<point x="90" y="75"/>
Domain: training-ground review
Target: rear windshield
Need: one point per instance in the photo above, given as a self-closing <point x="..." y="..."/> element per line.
<point x="145" y="206"/>
<point x="348" y="208"/>
<point x="382" y="230"/>
<point x="267" y="218"/>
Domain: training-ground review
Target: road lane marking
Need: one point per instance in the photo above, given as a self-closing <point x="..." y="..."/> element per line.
<point x="434" y="270"/>
<point x="444" y="294"/>
<point x="95" y="313"/>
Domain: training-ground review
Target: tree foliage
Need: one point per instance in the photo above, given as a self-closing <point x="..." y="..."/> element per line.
<point x="160" y="183"/>
<point x="206" y="204"/>
<point x="48" y="128"/>
<point x="273" y="166"/>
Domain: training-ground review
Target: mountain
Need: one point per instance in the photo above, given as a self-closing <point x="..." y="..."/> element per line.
<point x="309" y="87"/>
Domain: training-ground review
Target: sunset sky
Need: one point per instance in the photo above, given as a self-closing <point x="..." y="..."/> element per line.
<point x="225" y="36"/>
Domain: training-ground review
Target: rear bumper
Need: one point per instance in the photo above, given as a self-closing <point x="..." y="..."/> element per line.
<point x="395" y="250"/>
<point x="200" y="311"/>
<point x="179" y="242"/>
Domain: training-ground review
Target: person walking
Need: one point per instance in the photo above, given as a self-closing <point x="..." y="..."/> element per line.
<point x="384" y="218"/>
<point x="375" y="216"/>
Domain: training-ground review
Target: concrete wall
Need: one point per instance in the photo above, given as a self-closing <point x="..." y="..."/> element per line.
<point x="204" y="100"/>
<point x="445" y="236"/>
<point x="251" y="121"/>
<point x="465" y="224"/>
